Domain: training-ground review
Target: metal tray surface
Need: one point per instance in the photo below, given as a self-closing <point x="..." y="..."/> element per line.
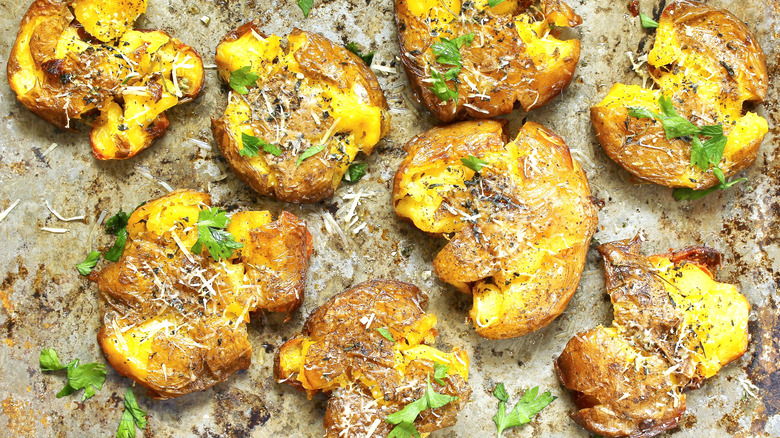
<point x="45" y="303"/>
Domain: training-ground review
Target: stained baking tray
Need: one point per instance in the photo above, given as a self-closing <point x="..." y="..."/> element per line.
<point x="45" y="303"/>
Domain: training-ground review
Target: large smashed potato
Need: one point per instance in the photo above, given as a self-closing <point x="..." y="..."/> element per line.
<point x="520" y="227"/>
<point x="310" y="93"/>
<point x="710" y="65"/>
<point x="341" y="351"/>
<point x="674" y="327"/>
<point x="515" y="59"/>
<point x="78" y="58"/>
<point x="175" y="321"/>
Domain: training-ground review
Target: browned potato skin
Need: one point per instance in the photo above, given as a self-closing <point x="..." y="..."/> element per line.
<point x="312" y="181"/>
<point x="526" y="85"/>
<point x="614" y="397"/>
<point x="176" y="366"/>
<point x="470" y="255"/>
<point x="46" y="99"/>
<point x="344" y="347"/>
<point x="721" y="36"/>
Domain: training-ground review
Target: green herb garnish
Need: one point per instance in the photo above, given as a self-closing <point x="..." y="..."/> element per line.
<point x="211" y="233"/>
<point x="367" y="58"/>
<point x="242" y="78"/>
<point x="439" y="87"/>
<point x="86" y="266"/>
<point x="440" y="372"/>
<point x="524" y="410"/>
<point x="448" y="53"/>
<point x="355" y="172"/>
<point x="494" y="3"/>
<point x="88" y="377"/>
<point x="116" y="251"/>
<point x="404" y="419"/>
<point x="310" y="151"/>
<point x="132" y="416"/>
<point x="305" y="6"/>
<point x="647" y="22"/>
<point x="252" y="146"/>
<point x="386" y="334"/>
<point x="474" y="163"/>
<point x="117" y="222"/>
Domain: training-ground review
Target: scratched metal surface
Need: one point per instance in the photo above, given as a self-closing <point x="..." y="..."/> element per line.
<point x="45" y="303"/>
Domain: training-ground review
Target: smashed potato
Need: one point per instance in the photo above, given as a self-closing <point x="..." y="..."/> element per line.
<point x="674" y="327"/>
<point x="513" y="54"/>
<point x="175" y="321"/>
<point x="345" y="350"/>
<point x="518" y="229"/>
<point x="710" y="65"/>
<point x="315" y="104"/>
<point x="78" y="58"/>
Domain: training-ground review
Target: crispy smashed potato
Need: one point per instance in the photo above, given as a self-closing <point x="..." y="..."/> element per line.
<point x="342" y="351"/>
<point x="175" y="321"/>
<point x="674" y="327"/>
<point x="710" y="65"/>
<point x="516" y="58"/>
<point x="518" y="229"/>
<point x="78" y="58"/>
<point x="311" y="95"/>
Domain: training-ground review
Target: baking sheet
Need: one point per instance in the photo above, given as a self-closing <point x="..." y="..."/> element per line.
<point x="45" y="303"/>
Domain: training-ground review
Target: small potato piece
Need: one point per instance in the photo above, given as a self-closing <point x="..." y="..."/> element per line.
<point x="342" y="352"/>
<point x="515" y="59"/>
<point x="522" y="224"/>
<point x="710" y="65"/>
<point x="175" y="321"/>
<point x="310" y="93"/>
<point x="79" y="58"/>
<point x="674" y="327"/>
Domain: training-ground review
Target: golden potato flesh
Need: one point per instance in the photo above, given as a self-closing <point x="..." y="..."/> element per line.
<point x="515" y="59"/>
<point x="79" y="58"/>
<point x="710" y="65"/>
<point x="342" y="351"/>
<point x="674" y="327"/>
<point x="520" y="227"/>
<point x="175" y="321"/>
<point x="311" y="95"/>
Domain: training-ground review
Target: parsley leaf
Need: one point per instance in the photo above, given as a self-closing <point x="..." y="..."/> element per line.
<point x="87" y="377"/>
<point x="642" y="113"/>
<point x="242" y="78"/>
<point x="131" y="417"/>
<point x="440" y="372"/>
<point x="647" y="22"/>
<point x="524" y="410"/>
<point x="355" y="172"/>
<point x="367" y="58"/>
<point x="86" y="266"/>
<point x="474" y="163"/>
<point x="117" y="222"/>
<point x="494" y="3"/>
<point x="310" y="151"/>
<point x="305" y="6"/>
<point x="386" y="334"/>
<point x="687" y="194"/>
<point x="116" y="251"/>
<point x="439" y="87"/>
<point x="404" y="419"/>
<point x="219" y="243"/>
<point x="252" y="145"/>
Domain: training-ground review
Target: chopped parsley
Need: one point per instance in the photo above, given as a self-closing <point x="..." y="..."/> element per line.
<point x="704" y="153"/>
<point x="116" y="251"/>
<point x="386" y="334"/>
<point x="355" y="172"/>
<point x="473" y="163"/>
<point x="242" y="78"/>
<point x="448" y="53"/>
<point x="647" y="22"/>
<point x="305" y="6"/>
<point x="132" y="416"/>
<point x="88" y="377"/>
<point x="367" y="58"/>
<point x="310" y="151"/>
<point x="211" y="234"/>
<point x="524" y="410"/>
<point x="85" y="267"/>
<point x="117" y="222"/>
<point x="440" y="372"/>
<point x="404" y="419"/>
<point x="494" y="3"/>
<point x="252" y="146"/>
